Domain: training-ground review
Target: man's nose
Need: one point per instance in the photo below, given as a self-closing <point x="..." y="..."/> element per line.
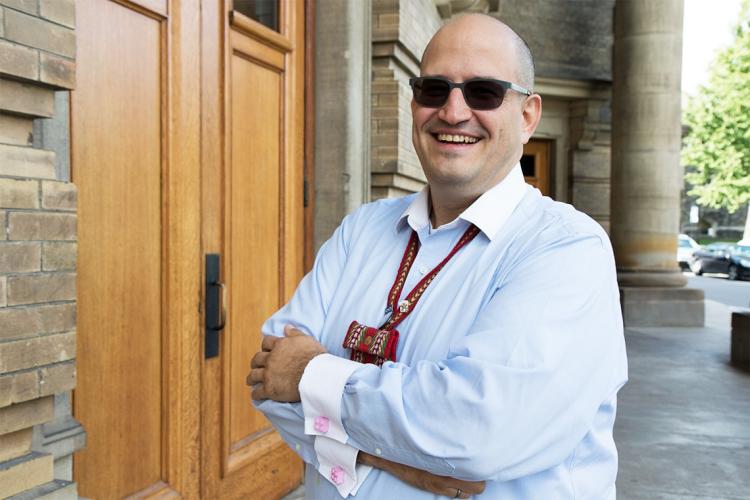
<point x="455" y="110"/>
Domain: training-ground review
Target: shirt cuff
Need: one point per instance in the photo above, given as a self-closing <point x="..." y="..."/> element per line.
<point x="338" y="464"/>
<point x="321" y="389"/>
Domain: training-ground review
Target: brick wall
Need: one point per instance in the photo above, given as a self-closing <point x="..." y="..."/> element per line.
<point x="400" y="32"/>
<point x="37" y="255"/>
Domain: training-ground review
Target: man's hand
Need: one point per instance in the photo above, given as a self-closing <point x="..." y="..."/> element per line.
<point x="426" y="481"/>
<point x="277" y="369"/>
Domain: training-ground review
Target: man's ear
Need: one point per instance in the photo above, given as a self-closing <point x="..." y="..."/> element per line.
<point x="531" y="114"/>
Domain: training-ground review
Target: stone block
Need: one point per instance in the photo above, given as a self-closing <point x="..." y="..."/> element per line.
<point x="57" y="378"/>
<point x="19" y="61"/>
<point x="26" y="415"/>
<point x="58" y="489"/>
<point x="57" y="71"/>
<point x="37" y="288"/>
<point x="59" y="195"/>
<point x="592" y="164"/>
<point x="57" y="256"/>
<point x="16" y="130"/>
<point x="59" y="11"/>
<point x="25" y="472"/>
<point x="740" y="348"/>
<point x="30" y="353"/>
<point x="18" y="387"/>
<point x="591" y="197"/>
<point x="22" y="322"/>
<point x="41" y="226"/>
<point x="15" y="444"/>
<point x="18" y="161"/>
<point x="30" y="6"/>
<point x="26" y="98"/>
<point x="2" y="23"/>
<point x="3" y="225"/>
<point x="3" y="291"/>
<point x="20" y="257"/>
<point x="40" y="34"/>
<point x="662" y="307"/>
<point x="18" y="193"/>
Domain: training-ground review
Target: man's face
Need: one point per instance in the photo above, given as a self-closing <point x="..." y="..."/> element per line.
<point x="495" y="137"/>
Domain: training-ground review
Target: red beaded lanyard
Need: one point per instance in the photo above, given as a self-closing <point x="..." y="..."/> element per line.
<point x="377" y="345"/>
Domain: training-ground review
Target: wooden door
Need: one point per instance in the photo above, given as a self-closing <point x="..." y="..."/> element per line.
<point x="253" y="217"/>
<point x="535" y="163"/>
<point x="135" y="159"/>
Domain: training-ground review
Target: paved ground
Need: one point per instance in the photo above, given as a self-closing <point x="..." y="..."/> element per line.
<point x="683" y="424"/>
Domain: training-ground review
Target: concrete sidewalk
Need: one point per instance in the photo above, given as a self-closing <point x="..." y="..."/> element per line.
<point x="683" y="422"/>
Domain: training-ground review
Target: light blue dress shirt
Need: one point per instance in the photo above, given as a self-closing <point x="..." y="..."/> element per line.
<point x="508" y="368"/>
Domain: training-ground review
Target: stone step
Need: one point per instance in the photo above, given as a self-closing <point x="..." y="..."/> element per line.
<point x="54" y="490"/>
<point x="25" y="472"/>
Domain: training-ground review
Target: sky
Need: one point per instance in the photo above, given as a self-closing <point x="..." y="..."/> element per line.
<point x="707" y="28"/>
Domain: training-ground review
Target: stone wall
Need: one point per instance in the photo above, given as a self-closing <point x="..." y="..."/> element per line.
<point x="400" y="32"/>
<point x="37" y="255"/>
<point x="569" y="39"/>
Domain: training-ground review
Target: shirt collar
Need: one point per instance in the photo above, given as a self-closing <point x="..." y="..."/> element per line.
<point x="489" y="212"/>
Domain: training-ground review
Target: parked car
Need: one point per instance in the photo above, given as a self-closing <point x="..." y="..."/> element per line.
<point x="686" y="246"/>
<point x="726" y="258"/>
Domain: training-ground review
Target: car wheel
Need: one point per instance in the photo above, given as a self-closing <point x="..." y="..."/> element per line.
<point x="696" y="267"/>
<point x="734" y="273"/>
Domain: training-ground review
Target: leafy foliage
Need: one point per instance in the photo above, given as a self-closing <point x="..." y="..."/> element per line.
<point x="717" y="147"/>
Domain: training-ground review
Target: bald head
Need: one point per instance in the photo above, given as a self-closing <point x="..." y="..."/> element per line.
<point x="469" y="28"/>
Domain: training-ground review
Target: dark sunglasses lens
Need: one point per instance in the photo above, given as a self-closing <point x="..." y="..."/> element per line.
<point x="431" y="92"/>
<point x="483" y="94"/>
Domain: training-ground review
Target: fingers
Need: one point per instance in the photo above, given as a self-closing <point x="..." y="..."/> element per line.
<point x="259" y="360"/>
<point x="457" y="488"/>
<point x="268" y="342"/>
<point x="290" y="331"/>
<point x="255" y="377"/>
<point x="259" y="392"/>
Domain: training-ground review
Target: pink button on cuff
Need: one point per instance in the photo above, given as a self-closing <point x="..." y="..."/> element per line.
<point x="338" y="475"/>
<point x="321" y="424"/>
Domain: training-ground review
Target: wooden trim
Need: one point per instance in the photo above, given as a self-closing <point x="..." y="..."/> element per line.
<point x="158" y="490"/>
<point x="156" y="9"/>
<point x="264" y="34"/>
<point x="182" y="354"/>
<point x="214" y="40"/>
<point x="309" y="169"/>
<point x="261" y="52"/>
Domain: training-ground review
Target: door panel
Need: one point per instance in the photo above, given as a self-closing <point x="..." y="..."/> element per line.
<point x="535" y="163"/>
<point x="259" y="206"/>
<point x="117" y="169"/>
<point x="138" y="344"/>
<point x="254" y="235"/>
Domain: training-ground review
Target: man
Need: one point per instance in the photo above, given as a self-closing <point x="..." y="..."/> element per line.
<point x="466" y="340"/>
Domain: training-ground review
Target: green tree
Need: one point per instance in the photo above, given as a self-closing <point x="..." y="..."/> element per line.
<point x="717" y="146"/>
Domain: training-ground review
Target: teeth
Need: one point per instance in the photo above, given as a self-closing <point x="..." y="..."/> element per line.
<point x="457" y="138"/>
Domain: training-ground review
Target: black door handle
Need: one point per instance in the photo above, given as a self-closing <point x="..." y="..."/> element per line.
<point x="215" y="301"/>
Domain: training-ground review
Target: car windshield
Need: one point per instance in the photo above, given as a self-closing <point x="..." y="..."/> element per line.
<point x="742" y="250"/>
<point x="685" y="243"/>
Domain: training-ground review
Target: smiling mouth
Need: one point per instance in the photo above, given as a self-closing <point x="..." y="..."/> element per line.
<point x="456" y="138"/>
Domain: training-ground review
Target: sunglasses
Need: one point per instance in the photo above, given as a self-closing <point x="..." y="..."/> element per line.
<point x="479" y="93"/>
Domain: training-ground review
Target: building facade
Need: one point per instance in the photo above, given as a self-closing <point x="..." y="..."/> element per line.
<point x="168" y="169"/>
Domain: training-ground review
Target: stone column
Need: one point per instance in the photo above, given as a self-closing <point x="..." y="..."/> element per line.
<point x="646" y="171"/>
<point x="342" y="112"/>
